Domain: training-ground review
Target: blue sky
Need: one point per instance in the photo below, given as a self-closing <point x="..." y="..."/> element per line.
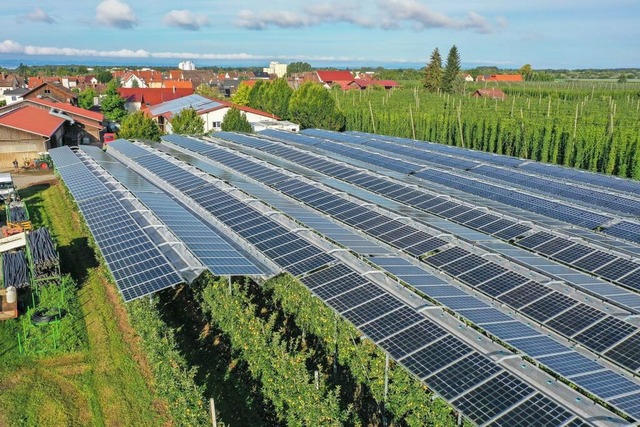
<point x="545" y="33"/>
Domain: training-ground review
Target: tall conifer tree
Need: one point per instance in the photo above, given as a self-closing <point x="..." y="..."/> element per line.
<point x="451" y="70"/>
<point x="433" y="72"/>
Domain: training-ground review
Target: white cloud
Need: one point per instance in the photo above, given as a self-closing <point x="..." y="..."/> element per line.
<point x="114" y="13"/>
<point x="186" y="20"/>
<point x="38" y="15"/>
<point x="10" y="46"/>
<point x="262" y="20"/>
<point x="387" y="14"/>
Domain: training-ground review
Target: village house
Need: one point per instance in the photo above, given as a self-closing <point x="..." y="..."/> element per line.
<point x="212" y="111"/>
<point x="500" y="78"/>
<point x="489" y="93"/>
<point x="138" y="98"/>
<point x="52" y="91"/>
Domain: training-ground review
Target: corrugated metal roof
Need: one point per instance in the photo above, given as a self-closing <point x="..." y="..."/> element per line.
<point x="197" y="102"/>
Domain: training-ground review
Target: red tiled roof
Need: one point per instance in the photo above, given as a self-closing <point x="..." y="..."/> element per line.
<point x="504" y="78"/>
<point x="178" y="84"/>
<point x="332" y="76"/>
<point x="490" y="93"/>
<point x="69" y="109"/>
<point x="175" y="74"/>
<point x="33" y="120"/>
<point x="153" y="96"/>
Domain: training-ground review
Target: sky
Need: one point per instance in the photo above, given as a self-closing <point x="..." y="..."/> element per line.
<point x="569" y="34"/>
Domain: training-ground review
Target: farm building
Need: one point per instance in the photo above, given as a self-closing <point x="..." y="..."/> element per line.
<point x="53" y="91"/>
<point x="138" y="98"/>
<point x="212" y="111"/>
<point x="26" y="131"/>
<point x="500" y="78"/>
<point x="82" y="125"/>
<point x="489" y="93"/>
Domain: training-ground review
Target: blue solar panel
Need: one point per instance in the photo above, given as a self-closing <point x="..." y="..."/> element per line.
<point x="137" y="265"/>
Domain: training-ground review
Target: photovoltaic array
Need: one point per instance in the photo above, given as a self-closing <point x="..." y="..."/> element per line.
<point x="137" y="265"/>
<point x="518" y="290"/>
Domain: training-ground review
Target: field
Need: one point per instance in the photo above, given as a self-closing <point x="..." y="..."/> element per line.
<point x="589" y="125"/>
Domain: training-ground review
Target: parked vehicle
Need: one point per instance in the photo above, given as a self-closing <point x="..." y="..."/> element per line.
<point x="6" y="186"/>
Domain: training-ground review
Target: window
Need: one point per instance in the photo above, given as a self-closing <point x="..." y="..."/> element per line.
<point x="217" y="125"/>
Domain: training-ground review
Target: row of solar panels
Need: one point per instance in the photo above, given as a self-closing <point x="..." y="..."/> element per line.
<point x="477" y="386"/>
<point x="588" y="374"/>
<point x="585" y="257"/>
<point x="611" y="193"/>
<point x="614" y="202"/>
<point x="548" y="170"/>
<point x="312" y="162"/>
<point x="478" y="186"/>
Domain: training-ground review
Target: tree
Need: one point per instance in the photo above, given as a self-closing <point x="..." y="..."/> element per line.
<point x="257" y="96"/>
<point x="103" y="76"/>
<point x="312" y="106"/>
<point x="86" y="98"/>
<point x="187" y="122"/>
<point x="622" y="78"/>
<point x="433" y="72"/>
<point x="526" y="71"/>
<point x="451" y="70"/>
<point x="298" y="67"/>
<point x="113" y="104"/>
<point x="278" y="94"/>
<point x="235" y="121"/>
<point x="139" y="126"/>
<point x="241" y="97"/>
<point x="205" y="90"/>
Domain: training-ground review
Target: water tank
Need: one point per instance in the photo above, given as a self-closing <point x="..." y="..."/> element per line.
<point x="12" y="295"/>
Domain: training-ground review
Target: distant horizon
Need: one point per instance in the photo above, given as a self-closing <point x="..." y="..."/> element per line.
<point x="12" y="62"/>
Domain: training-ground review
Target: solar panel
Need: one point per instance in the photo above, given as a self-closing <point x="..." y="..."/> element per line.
<point x="606" y="384"/>
<point x="214" y="252"/>
<point x="365" y="313"/>
<point x="549" y="306"/>
<point x="482" y="274"/>
<point x="391" y="323"/>
<point x="605" y="334"/>
<point x="510" y="330"/>
<point x="446" y="256"/>
<point x="412" y="338"/>
<point x="538" y="346"/>
<point x="524" y="294"/>
<point x="137" y="265"/>
<point x="570" y="364"/>
<point x="575" y="319"/>
<point x="493" y="397"/>
<point x="538" y="410"/>
<point x="503" y="283"/>
<point x="627" y="353"/>
<point x="435" y="356"/>
<point x="462" y="375"/>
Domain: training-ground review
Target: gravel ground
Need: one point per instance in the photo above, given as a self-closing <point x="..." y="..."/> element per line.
<point x="24" y="179"/>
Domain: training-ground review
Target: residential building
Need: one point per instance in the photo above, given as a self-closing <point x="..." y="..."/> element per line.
<point x="500" y="78"/>
<point x="139" y="98"/>
<point x="489" y="93"/>
<point x="52" y="91"/>
<point x="14" y="95"/>
<point x="212" y="111"/>
<point x="187" y="65"/>
<point x="26" y="131"/>
<point x="9" y="82"/>
<point x="276" y="68"/>
<point x="329" y="78"/>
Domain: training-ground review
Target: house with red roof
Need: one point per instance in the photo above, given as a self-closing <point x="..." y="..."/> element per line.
<point x="489" y="93"/>
<point x="82" y="126"/>
<point x="334" y="77"/>
<point x="52" y="91"/>
<point x="500" y="78"/>
<point x="26" y="131"/>
<point x="212" y="111"/>
<point x="138" y="98"/>
<point x="9" y="82"/>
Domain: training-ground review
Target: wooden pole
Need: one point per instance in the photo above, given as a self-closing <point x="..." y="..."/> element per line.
<point x="212" y="406"/>
<point x="373" y="122"/>
<point x="460" y="127"/>
<point x="413" y="126"/>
